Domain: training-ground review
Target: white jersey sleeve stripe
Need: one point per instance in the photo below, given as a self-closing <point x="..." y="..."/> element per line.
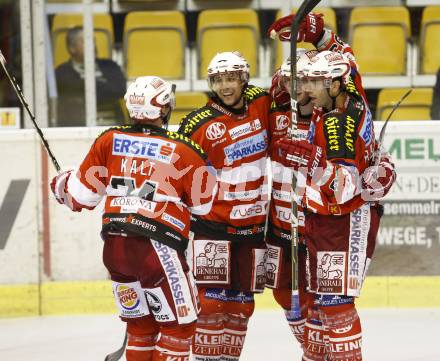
<point x="81" y="193"/>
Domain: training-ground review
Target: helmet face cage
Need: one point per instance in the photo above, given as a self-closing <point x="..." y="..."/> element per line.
<point x="230" y="66"/>
<point x="147" y="98"/>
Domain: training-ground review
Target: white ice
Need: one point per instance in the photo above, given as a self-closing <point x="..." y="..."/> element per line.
<point x="389" y="335"/>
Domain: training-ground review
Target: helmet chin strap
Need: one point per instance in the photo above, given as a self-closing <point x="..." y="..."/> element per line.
<point x="333" y="98"/>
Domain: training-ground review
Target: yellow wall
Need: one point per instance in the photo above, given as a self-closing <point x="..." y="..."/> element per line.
<point x="59" y="298"/>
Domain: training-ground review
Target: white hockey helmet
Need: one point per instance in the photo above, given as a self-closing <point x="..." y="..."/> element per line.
<point x="303" y="57"/>
<point x="226" y="62"/>
<point x="328" y="65"/>
<point x="146" y="97"/>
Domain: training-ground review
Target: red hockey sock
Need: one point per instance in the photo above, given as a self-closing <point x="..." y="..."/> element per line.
<point x="174" y="343"/>
<point x="284" y="298"/>
<point x="142" y="334"/>
<point x="207" y="341"/>
<point x="233" y="337"/>
<point x="343" y="330"/>
<point x="314" y="343"/>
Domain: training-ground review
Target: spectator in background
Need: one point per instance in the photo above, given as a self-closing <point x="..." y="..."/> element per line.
<point x="110" y="86"/>
<point x="435" y="108"/>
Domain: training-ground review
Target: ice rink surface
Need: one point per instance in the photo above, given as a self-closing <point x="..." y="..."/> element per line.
<point x="389" y="335"/>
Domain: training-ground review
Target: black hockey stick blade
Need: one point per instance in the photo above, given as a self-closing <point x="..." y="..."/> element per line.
<point x="115" y="356"/>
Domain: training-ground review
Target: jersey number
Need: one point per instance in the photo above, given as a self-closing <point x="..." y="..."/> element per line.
<point x="126" y="186"/>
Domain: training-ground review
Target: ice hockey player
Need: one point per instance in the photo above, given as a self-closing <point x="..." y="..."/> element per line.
<point x="328" y="305"/>
<point x="279" y="233"/>
<point x="233" y="128"/>
<point x="151" y="180"/>
<point x="340" y="224"/>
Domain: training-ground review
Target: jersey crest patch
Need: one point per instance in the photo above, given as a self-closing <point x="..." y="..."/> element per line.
<point x="215" y="131"/>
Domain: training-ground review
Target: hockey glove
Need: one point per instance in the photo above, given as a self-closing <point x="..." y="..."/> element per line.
<point x="59" y="189"/>
<point x="377" y="181"/>
<point x="300" y="153"/>
<point x="278" y="92"/>
<point x="310" y="30"/>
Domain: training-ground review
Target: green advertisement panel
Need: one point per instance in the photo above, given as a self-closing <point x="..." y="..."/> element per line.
<point x="408" y="242"/>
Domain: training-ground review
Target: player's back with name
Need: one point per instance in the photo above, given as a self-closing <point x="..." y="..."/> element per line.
<point x="151" y="176"/>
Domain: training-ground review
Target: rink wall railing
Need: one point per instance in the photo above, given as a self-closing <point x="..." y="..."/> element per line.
<point x="51" y="258"/>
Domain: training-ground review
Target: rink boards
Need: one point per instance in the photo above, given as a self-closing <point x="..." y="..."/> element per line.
<point x="51" y="257"/>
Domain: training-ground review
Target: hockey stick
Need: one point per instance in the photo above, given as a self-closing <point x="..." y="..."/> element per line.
<point x="115" y="356"/>
<point x="26" y="106"/>
<point x="382" y="131"/>
<point x="302" y="12"/>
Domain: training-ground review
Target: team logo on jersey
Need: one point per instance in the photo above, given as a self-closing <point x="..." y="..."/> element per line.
<point x="246" y="147"/>
<point x="128" y="297"/>
<point x="281" y="122"/>
<point x="143" y="147"/>
<point x="244" y="129"/>
<point x="215" y="131"/>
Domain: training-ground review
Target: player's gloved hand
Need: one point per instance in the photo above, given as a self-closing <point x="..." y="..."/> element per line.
<point x="58" y="185"/>
<point x="278" y="91"/>
<point x="300" y="153"/>
<point x="310" y="30"/>
<point x="377" y="181"/>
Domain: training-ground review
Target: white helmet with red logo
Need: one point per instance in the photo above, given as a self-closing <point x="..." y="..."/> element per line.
<point x="147" y="96"/>
<point x="328" y="65"/>
<point x="227" y="62"/>
<point x="303" y="57"/>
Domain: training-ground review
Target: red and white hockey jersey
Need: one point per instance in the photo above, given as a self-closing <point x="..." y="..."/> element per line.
<point x="152" y="180"/>
<point x="279" y="222"/>
<point x="237" y="145"/>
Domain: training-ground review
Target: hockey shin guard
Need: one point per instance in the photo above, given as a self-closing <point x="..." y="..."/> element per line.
<point x="174" y="343"/>
<point x="141" y="334"/>
<point x="343" y="332"/>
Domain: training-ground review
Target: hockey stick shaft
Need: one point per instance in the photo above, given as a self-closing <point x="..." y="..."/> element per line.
<point x="115" y="356"/>
<point x="302" y="12"/>
<point x="23" y="102"/>
<point x="382" y="131"/>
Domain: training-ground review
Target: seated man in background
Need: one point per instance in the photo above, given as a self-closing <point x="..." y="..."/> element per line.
<point x="435" y="108"/>
<point x="110" y="86"/>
